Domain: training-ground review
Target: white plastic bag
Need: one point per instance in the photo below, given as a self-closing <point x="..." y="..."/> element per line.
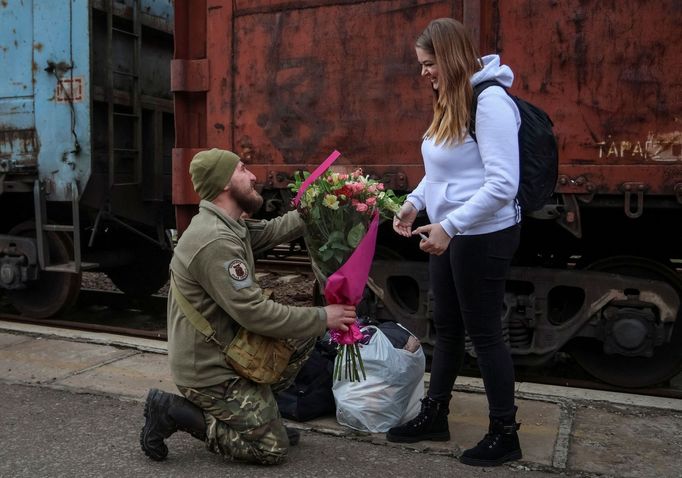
<point x="391" y="393"/>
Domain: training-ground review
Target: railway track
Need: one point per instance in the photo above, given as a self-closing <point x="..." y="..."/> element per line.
<point x="84" y="326"/>
<point x="285" y="266"/>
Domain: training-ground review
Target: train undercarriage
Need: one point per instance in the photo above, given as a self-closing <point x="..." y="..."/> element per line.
<point x="40" y="273"/>
<point x="611" y="299"/>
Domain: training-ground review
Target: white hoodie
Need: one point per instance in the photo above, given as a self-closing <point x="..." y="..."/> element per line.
<point x="469" y="188"/>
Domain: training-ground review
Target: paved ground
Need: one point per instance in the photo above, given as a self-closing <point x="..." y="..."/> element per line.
<point x="72" y="406"/>
<point x="55" y="433"/>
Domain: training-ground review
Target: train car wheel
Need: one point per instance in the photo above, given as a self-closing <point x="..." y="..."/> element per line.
<point x="53" y="292"/>
<point x="145" y="275"/>
<point x="633" y="372"/>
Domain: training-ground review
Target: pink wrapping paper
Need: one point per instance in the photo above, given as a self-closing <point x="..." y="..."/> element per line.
<point x="345" y="286"/>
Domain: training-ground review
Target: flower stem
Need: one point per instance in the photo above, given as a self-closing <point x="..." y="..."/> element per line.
<point x="337" y="365"/>
<point x="362" y="364"/>
<point x="354" y="372"/>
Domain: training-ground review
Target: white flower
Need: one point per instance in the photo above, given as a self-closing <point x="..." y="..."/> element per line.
<point x="331" y="201"/>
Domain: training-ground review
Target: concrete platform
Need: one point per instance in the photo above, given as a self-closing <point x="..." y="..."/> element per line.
<point x="568" y="431"/>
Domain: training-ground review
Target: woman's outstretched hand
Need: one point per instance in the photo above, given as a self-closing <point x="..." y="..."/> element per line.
<point x="403" y="220"/>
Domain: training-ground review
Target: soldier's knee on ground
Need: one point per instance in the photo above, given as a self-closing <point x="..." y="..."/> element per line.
<point x="272" y="447"/>
<point x="272" y="459"/>
<point x="266" y="445"/>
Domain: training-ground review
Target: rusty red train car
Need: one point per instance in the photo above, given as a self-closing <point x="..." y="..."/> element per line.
<point x="284" y="82"/>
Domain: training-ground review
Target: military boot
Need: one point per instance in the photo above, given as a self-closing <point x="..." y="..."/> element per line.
<point x="430" y="424"/>
<point x="499" y="445"/>
<point x="165" y="414"/>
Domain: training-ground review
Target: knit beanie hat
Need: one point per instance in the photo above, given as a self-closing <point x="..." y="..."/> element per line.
<point x="211" y="171"/>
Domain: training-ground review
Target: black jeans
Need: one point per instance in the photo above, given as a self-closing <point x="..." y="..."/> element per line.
<point x="468" y="284"/>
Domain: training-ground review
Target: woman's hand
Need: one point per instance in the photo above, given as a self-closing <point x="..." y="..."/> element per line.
<point x="434" y="238"/>
<point x="403" y="220"/>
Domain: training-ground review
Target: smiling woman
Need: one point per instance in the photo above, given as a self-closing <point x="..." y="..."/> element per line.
<point x="429" y="66"/>
<point x="468" y="194"/>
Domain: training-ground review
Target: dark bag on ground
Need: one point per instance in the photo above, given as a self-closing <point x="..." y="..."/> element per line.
<point x="397" y="335"/>
<point x="538" y="152"/>
<point x="310" y="396"/>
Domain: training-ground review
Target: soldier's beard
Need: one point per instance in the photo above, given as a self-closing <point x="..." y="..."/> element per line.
<point x="247" y="199"/>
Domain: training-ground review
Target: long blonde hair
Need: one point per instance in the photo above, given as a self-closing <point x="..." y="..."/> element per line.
<point x="457" y="59"/>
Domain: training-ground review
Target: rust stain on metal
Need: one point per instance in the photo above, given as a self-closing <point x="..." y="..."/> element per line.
<point x="294" y="83"/>
<point x="580" y="48"/>
<point x="9" y="138"/>
<point x="37" y="46"/>
<point x="246" y="150"/>
<point x="319" y="92"/>
<point x="190" y="75"/>
<point x="610" y="108"/>
<point x="18" y="149"/>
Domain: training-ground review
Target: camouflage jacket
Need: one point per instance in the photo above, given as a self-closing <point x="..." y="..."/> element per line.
<point x="213" y="267"/>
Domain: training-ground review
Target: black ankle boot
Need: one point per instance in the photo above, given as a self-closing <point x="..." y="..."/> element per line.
<point x="165" y="414"/>
<point x="430" y="424"/>
<point x="500" y="444"/>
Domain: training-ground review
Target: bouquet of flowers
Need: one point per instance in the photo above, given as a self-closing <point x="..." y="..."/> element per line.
<point x="342" y="212"/>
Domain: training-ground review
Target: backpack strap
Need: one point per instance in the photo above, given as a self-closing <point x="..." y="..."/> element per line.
<point x="196" y="319"/>
<point x="478" y="89"/>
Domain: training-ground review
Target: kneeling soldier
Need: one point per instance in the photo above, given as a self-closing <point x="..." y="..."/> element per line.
<point x="212" y="275"/>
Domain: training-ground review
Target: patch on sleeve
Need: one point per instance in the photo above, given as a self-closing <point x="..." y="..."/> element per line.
<point x="239" y="273"/>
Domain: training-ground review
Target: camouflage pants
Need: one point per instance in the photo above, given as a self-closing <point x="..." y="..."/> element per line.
<point x="242" y="419"/>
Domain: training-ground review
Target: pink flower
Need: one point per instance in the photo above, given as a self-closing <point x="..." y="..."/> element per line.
<point x="361" y="207"/>
<point x="356" y="187"/>
<point x="371" y="201"/>
<point x="351" y="336"/>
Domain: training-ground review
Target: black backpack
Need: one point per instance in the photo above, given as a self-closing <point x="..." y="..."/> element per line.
<point x="538" y="151"/>
<point x="311" y="396"/>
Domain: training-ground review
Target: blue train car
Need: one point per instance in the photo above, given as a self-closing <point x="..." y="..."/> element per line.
<point x="86" y="132"/>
